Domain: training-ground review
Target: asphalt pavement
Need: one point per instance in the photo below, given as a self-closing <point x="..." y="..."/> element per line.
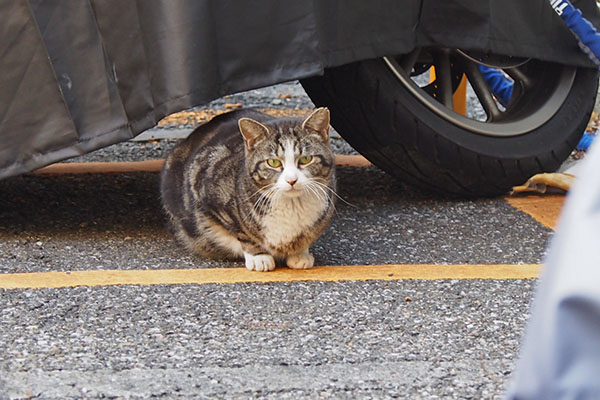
<point x="408" y="339"/>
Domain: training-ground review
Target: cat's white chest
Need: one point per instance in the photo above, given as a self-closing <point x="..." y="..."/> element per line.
<point x="289" y="218"/>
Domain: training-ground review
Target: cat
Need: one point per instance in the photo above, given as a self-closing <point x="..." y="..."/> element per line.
<point x="248" y="185"/>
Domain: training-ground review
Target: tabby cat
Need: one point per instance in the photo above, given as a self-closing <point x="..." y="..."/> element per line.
<point x="250" y="185"/>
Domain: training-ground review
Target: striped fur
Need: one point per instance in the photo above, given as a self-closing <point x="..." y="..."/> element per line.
<point x="224" y="200"/>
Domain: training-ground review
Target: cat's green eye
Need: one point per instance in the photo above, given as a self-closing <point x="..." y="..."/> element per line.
<point x="305" y="160"/>
<point x="274" y="163"/>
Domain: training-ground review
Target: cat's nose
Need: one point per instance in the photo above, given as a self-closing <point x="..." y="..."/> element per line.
<point x="292" y="181"/>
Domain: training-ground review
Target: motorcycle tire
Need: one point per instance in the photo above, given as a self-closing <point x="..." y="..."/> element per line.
<point x="413" y="133"/>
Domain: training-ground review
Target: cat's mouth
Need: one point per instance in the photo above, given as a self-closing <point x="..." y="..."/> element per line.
<point x="293" y="191"/>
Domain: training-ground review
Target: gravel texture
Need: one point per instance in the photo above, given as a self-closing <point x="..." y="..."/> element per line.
<point x="453" y="339"/>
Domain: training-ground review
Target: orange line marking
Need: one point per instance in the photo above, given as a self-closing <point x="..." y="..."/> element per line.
<point x="351" y="160"/>
<point x="39" y="280"/>
<point x="544" y="209"/>
<point x="101" y="167"/>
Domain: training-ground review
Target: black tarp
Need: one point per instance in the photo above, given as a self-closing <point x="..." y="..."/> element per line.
<point x="78" y="75"/>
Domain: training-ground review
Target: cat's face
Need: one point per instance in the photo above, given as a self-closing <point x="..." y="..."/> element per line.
<point x="290" y="158"/>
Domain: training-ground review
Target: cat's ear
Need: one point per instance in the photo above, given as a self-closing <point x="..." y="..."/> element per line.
<point x="252" y="131"/>
<point x="318" y="122"/>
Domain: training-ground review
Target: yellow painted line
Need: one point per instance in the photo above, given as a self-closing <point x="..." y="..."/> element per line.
<point x="543" y="208"/>
<point x="39" y="280"/>
<point x="119" y="167"/>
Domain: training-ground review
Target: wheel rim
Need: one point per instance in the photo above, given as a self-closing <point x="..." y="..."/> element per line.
<point x="540" y="88"/>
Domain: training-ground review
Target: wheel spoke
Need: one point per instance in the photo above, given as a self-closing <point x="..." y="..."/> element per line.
<point x="408" y="61"/>
<point x="482" y="91"/>
<point x="443" y="77"/>
<point x="532" y="103"/>
<point x="518" y="75"/>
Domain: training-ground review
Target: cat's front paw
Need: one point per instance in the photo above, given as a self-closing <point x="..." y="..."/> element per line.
<point x="303" y="260"/>
<point x="259" y="262"/>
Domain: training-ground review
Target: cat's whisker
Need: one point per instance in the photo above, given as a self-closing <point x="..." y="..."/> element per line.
<point x="259" y="204"/>
<point x="311" y="188"/>
<point x="325" y="195"/>
<point x="261" y="190"/>
<point x="276" y="197"/>
<point x="264" y="199"/>
<point x="325" y="187"/>
<point x="317" y="191"/>
<point x="262" y="202"/>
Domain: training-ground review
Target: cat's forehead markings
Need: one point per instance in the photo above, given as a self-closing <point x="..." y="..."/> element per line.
<point x="280" y="149"/>
<point x="289" y="155"/>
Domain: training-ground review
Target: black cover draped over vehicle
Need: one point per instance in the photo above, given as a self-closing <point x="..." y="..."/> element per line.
<point x="81" y="75"/>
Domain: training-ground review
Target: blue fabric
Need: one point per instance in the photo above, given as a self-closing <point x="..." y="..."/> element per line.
<point x="584" y="31"/>
<point x="502" y="88"/>
<point x="587" y="36"/>
<point x="499" y="84"/>
<point x="588" y="39"/>
<point x="585" y="142"/>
